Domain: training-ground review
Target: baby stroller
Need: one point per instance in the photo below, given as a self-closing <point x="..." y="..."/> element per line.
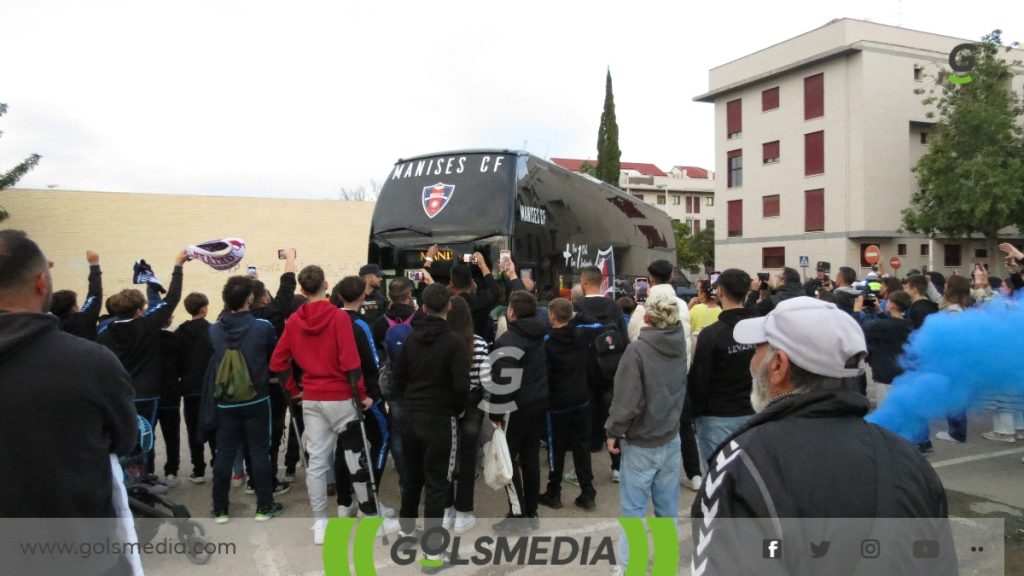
<point x="146" y="500"/>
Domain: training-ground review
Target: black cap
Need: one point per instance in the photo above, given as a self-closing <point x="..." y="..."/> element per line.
<point x="823" y="266"/>
<point x="371" y="269"/>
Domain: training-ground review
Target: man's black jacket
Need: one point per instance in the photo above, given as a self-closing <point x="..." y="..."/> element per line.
<point x="719" y="379"/>
<point x="525" y="335"/>
<point x="432" y="371"/>
<point x="194" y="351"/>
<point x="281" y="306"/>
<point x="810" y="456"/>
<point x="885" y="338"/>
<point x="566" y="353"/>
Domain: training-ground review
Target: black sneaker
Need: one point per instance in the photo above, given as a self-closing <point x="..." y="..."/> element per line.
<point x="585" y="502"/>
<point x="264" y="513"/>
<point x="517" y="525"/>
<point x="282" y="488"/>
<point x="550" y="500"/>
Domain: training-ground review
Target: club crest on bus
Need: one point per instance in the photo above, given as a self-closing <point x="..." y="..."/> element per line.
<point x="436" y="197"/>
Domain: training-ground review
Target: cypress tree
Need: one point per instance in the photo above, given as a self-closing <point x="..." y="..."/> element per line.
<point x="608" y="152"/>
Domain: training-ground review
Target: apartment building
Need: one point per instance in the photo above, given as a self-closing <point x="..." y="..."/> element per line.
<point x="685" y="193"/>
<point x="816" y="137"/>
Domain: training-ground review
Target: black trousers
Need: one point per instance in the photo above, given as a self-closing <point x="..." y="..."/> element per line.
<point x="376" y="432"/>
<point x="570" y="430"/>
<point x="429" y="442"/>
<point x="600" y="404"/>
<point x="291" y="455"/>
<point x="469" y="444"/>
<point x="526" y="426"/>
<point x="278" y="410"/>
<point x="688" y="442"/>
<point x="168" y="416"/>
<point x="195" y="444"/>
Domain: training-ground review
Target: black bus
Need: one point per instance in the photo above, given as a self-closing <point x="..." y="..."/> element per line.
<point x="553" y="221"/>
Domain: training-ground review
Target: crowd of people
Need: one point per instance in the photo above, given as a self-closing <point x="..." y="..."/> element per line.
<point x="673" y="390"/>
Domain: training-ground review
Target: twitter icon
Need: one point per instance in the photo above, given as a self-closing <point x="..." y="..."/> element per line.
<point x="820" y="549"/>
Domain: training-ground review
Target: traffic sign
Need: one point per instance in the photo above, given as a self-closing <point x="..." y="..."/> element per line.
<point x="895" y="263"/>
<point x="871" y="254"/>
<point x="805" y="261"/>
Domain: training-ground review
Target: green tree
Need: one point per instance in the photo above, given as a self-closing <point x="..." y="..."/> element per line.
<point x="693" y="250"/>
<point x="971" y="180"/>
<point x="608" y="153"/>
<point x="11" y="177"/>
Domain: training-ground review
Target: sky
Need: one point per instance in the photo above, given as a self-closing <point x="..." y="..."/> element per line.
<point x="302" y="99"/>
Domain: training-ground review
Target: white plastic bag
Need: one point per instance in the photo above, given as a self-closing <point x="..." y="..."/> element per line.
<point x="497" y="461"/>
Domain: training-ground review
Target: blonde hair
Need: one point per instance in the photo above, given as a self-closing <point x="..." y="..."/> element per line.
<point x="662" y="310"/>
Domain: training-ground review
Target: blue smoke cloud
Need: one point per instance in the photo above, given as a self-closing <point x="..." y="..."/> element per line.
<point x="954" y="362"/>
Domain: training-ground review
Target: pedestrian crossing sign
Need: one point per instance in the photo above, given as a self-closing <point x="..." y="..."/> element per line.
<point x="805" y="261"/>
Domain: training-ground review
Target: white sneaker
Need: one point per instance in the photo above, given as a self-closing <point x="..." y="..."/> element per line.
<point x="171" y="480"/>
<point x="464" y="522"/>
<point x="616" y="477"/>
<point x="570" y="478"/>
<point x="237" y="480"/>
<point x="319" y="530"/>
<point x="390" y="526"/>
<point x="692" y="483"/>
<point x="943" y="435"/>
<point x="348" y="511"/>
<point x="449" y="518"/>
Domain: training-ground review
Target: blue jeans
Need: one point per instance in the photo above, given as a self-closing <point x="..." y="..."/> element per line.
<point x="712" y="431"/>
<point x="248" y="423"/>
<point x="649" y="474"/>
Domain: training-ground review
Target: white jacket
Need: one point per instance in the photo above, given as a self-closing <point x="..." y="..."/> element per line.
<point x="636" y="321"/>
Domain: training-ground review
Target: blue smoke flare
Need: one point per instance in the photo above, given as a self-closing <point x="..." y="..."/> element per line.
<point x="955" y="362"/>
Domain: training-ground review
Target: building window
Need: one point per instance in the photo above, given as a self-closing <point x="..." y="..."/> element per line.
<point x="661" y="199"/>
<point x="710" y="201"/>
<point x="735" y="163"/>
<point x="901" y="249"/>
<point x="676" y="199"/>
<point x="981" y="253"/>
<point x="814" y="210"/>
<point x="689" y="205"/>
<point x="735" y="214"/>
<point x="951" y="257"/>
<point x="918" y="73"/>
<point x="773" y="257"/>
<point x="689" y="224"/>
<point x="770" y="205"/>
<point x="814" y="153"/>
<point x="924" y="137"/>
<point x="924" y="249"/>
<point x="734" y="118"/>
<point x="696" y="226"/>
<point x="696" y="204"/>
<point x="640" y="197"/>
<point x="770" y="152"/>
<point x="814" y="96"/>
<point x="769" y="99"/>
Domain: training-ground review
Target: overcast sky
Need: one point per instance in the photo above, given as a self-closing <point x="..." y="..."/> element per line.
<point x="299" y="99"/>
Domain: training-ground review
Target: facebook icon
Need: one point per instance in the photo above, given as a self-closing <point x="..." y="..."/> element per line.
<point x="772" y="549"/>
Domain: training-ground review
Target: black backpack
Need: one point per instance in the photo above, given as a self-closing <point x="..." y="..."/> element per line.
<point x="609" y="345"/>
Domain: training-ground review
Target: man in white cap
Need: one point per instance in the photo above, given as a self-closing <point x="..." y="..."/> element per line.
<point x="808" y="452"/>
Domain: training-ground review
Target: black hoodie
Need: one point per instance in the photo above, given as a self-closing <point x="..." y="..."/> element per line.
<point x="719" y="382"/>
<point x="194" y="354"/>
<point x="397" y="313"/>
<point x="136" y="342"/>
<point x="67" y="405"/>
<point x="885" y="338"/>
<point x="784" y="292"/>
<point x="566" y="354"/>
<point x="527" y="335"/>
<point x="83" y="322"/>
<point x="432" y="371"/>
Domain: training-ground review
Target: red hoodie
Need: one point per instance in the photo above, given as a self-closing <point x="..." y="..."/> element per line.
<point x="319" y="338"/>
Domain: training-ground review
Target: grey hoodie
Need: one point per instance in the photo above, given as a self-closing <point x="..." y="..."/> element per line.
<point x="650" y="386"/>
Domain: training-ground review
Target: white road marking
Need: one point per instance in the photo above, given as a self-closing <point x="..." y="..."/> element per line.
<point x="977" y="457"/>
